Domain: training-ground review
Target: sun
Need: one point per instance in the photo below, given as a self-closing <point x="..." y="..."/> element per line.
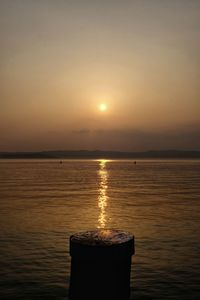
<point x="103" y="107"/>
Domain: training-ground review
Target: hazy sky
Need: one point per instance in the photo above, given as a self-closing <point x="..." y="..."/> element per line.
<point x="61" y="59"/>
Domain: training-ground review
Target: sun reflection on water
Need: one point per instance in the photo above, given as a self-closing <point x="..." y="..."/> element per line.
<point x="102" y="199"/>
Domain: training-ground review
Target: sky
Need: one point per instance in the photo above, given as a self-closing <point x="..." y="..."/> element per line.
<point x="61" y="59"/>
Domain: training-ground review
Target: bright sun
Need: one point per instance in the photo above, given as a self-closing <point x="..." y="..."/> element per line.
<point x="103" y="107"/>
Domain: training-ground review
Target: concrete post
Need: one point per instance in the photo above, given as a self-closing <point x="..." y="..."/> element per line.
<point x="101" y="265"/>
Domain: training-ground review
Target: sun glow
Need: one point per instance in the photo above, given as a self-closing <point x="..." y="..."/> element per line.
<point x="103" y="107"/>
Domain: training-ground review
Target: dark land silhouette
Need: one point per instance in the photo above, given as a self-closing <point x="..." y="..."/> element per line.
<point x="96" y="154"/>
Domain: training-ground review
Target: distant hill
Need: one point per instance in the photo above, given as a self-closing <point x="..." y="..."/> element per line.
<point x="81" y="154"/>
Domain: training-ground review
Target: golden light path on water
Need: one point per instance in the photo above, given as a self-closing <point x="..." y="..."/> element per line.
<point x="103" y="198"/>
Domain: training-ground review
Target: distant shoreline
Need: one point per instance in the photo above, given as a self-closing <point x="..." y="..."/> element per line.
<point x="97" y="154"/>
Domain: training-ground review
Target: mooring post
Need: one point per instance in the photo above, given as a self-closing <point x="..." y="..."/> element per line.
<point x="101" y="265"/>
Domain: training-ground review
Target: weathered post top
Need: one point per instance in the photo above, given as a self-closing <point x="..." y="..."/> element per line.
<point x="104" y="242"/>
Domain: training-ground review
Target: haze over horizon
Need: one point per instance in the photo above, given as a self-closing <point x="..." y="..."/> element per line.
<point x="108" y="75"/>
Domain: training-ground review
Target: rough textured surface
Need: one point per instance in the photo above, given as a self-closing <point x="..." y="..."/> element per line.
<point x="102" y="237"/>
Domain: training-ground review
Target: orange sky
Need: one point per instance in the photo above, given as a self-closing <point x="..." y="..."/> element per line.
<point x="59" y="60"/>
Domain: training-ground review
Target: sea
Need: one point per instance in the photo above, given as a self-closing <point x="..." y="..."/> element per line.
<point x="43" y="202"/>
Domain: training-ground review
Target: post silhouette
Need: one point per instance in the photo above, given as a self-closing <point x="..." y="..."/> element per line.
<point x="101" y="265"/>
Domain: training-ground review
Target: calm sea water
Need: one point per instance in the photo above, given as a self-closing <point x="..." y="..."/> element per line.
<point x="43" y="202"/>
